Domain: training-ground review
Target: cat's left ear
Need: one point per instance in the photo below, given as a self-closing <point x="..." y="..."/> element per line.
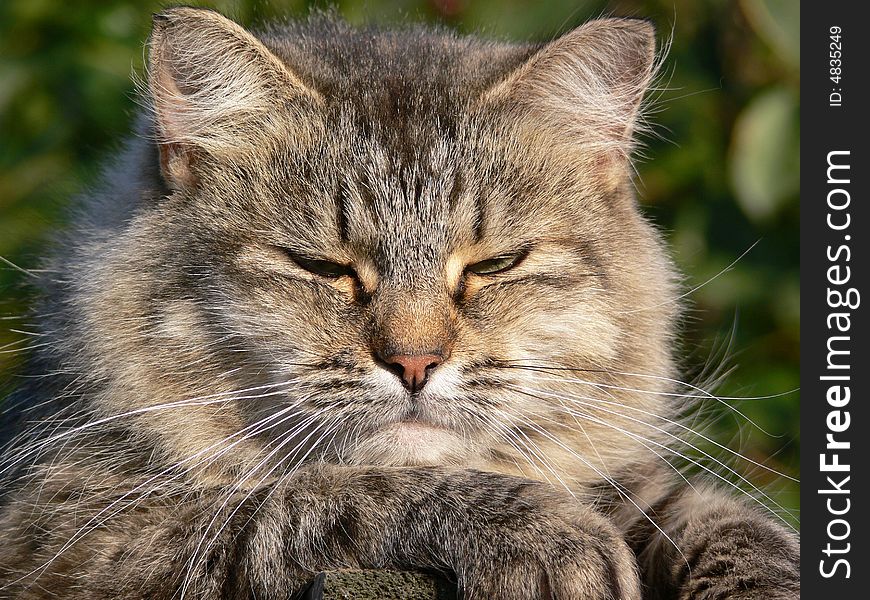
<point x="216" y="91"/>
<point x="584" y="89"/>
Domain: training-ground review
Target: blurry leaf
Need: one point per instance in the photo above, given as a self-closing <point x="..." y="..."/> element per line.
<point x="524" y="20"/>
<point x="687" y="241"/>
<point x="787" y="303"/>
<point x="765" y="153"/>
<point x="28" y="175"/>
<point x="779" y="23"/>
<point x="14" y="77"/>
<point x="120" y="22"/>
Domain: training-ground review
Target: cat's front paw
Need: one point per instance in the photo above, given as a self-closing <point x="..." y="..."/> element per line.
<point x="564" y="557"/>
<point x="739" y="558"/>
<point x="786" y="592"/>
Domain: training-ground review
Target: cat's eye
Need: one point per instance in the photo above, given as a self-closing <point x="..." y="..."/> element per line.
<point x="497" y="264"/>
<point x="323" y="268"/>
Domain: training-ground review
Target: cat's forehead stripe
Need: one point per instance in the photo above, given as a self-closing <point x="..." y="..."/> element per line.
<point x="341" y="214"/>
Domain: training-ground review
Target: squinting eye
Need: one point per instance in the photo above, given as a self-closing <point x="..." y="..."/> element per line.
<point x="324" y="268"/>
<point x="497" y="264"/>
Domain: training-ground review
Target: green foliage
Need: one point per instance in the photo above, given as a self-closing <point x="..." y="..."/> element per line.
<point x="722" y="174"/>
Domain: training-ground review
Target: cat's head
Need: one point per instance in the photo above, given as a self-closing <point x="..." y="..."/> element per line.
<point x="390" y="248"/>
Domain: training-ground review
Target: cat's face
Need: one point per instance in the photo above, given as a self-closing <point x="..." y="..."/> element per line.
<point x="398" y="295"/>
<point x="446" y="267"/>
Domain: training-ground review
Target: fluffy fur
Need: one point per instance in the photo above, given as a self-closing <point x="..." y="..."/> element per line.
<point x="215" y="419"/>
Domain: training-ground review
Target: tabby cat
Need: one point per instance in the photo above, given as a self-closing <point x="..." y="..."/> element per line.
<point x="375" y="299"/>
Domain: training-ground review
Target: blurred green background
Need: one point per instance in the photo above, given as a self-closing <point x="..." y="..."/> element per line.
<point x="722" y="174"/>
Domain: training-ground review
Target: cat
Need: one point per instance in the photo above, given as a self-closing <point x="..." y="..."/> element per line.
<point x="369" y="298"/>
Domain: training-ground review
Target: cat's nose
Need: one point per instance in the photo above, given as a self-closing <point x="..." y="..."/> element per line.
<point x="413" y="369"/>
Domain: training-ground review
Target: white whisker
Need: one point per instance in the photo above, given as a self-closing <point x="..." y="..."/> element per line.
<point x="721" y="464"/>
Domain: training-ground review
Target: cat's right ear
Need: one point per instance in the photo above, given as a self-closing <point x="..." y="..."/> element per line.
<point x="215" y="90"/>
<point x="583" y="91"/>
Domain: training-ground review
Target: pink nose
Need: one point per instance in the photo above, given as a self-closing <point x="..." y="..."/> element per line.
<point x="414" y="369"/>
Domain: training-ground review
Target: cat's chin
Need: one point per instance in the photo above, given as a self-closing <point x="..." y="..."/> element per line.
<point x="411" y="443"/>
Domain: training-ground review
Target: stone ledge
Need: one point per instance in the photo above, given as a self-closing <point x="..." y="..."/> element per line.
<point x="379" y="584"/>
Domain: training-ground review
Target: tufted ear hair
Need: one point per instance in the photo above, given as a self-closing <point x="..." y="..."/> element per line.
<point x="215" y="89"/>
<point x="586" y="87"/>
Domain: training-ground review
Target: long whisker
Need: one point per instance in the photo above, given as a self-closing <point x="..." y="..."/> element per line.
<point x="620" y="489"/>
<point x="643" y="443"/>
<point x="675" y="424"/>
<point x="697" y="287"/>
<point x="218" y="398"/>
<point x="200" y="552"/>
<point x="333" y="427"/>
<point x="497" y="431"/>
<point x="535" y="451"/>
<point x="534" y="393"/>
<point x="107" y="512"/>
<point x="704" y="394"/>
